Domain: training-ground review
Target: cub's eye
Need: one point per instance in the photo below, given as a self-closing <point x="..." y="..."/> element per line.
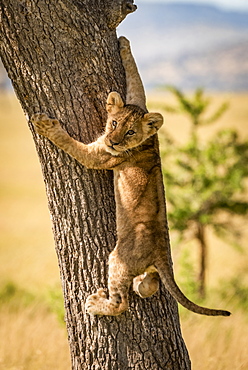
<point x="131" y="132"/>
<point x="114" y="124"/>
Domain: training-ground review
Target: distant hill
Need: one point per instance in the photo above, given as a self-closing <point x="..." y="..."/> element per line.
<point x="222" y="69"/>
<point x="189" y="45"/>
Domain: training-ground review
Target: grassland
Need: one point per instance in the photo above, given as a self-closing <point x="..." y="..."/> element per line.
<point x="32" y="337"/>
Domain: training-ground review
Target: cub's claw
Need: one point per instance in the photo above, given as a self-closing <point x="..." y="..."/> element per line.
<point x="44" y="125"/>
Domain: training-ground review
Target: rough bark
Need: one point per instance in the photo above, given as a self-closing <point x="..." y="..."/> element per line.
<point x="62" y="57"/>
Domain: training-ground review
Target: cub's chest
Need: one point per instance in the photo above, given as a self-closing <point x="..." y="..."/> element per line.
<point x="130" y="186"/>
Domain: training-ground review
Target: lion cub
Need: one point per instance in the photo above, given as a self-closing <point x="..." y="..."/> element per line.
<point x="128" y="147"/>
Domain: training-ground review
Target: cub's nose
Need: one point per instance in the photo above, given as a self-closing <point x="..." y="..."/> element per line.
<point x="113" y="143"/>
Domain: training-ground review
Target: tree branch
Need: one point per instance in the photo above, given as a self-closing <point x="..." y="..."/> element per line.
<point x="118" y="11"/>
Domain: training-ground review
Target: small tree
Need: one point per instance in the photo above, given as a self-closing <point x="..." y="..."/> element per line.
<point x="205" y="183"/>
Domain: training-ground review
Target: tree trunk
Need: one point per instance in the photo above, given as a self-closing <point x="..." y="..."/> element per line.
<point x="62" y="57"/>
<point x="203" y="259"/>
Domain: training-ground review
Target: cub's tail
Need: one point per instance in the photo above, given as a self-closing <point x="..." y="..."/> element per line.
<point x="169" y="282"/>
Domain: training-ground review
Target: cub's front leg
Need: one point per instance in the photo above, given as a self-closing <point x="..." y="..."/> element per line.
<point x="135" y="89"/>
<point x="46" y="126"/>
<point x="93" y="155"/>
<point x="88" y="155"/>
<point x="52" y="129"/>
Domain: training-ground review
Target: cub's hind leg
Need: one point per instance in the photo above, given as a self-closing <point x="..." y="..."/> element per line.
<point x="147" y="284"/>
<point x="119" y="282"/>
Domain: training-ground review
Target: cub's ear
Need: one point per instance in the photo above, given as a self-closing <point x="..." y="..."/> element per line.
<point x="114" y="102"/>
<point x="153" y="122"/>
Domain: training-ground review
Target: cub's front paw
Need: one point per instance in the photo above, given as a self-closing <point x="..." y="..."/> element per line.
<point x="124" y="45"/>
<point x="44" y="125"/>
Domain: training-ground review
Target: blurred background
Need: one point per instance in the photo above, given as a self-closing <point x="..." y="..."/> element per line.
<point x="193" y="59"/>
<point x="191" y="44"/>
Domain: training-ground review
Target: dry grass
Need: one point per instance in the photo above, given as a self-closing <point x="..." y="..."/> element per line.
<point x="26" y="243"/>
<point x="217" y="343"/>
<point x="30" y="335"/>
<point x="32" y="339"/>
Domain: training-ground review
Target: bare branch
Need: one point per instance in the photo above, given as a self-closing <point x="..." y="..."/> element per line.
<point x="119" y="10"/>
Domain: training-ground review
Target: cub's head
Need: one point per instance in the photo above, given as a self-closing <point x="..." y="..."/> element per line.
<point x="128" y="126"/>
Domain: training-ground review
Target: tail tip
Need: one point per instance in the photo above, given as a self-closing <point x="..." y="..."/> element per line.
<point x="226" y="313"/>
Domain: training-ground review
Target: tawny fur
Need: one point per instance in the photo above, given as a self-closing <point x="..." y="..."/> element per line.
<point x="128" y="147"/>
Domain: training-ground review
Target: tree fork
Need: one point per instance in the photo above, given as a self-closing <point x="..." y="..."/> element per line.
<point x="62" y="58"/>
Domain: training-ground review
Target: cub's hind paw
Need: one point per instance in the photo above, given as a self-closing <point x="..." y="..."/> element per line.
<point x="99" y="304"/>
<point x="95" y="303"/>
<point x="44" y="125"/>
<point x="146" y="285"/>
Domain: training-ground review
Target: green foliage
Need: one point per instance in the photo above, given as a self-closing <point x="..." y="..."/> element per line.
<point x="195" y="107"/>
<point x="14" y="296"/>
<point x="236" y="290"/>
<point x="205" y="182"/>
<point x="186" y="275"/>
<point x="56" y="303"/>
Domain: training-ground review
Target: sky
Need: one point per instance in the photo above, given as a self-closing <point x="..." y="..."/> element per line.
<point x="227" y="4"/>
